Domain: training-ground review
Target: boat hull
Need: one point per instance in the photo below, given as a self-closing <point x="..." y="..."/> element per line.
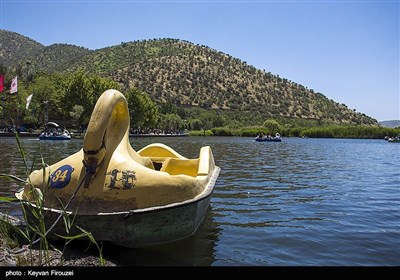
<point x="141" y="227"/>
<point x="269" y="140"/>
<point x="394" y="140"/>
<point x="137" y="229"/>
<point x="56" y="138"/>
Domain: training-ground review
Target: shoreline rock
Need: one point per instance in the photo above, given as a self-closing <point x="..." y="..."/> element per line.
<point x="72" y="256"/>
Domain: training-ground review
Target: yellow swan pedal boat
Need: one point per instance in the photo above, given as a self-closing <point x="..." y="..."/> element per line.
<point x="130" y="198"/>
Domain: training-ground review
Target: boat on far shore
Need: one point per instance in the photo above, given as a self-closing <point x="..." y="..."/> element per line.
<point x="55" y="133"/>
<point x="394" y="139"/>
<point x="65" y="135"/>
<point x="263" y="138"/>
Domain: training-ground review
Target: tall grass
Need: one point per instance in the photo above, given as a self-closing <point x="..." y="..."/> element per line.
<point x="327" y="131"/>
<point x="364" y="132"/>
<point x="201" y="133"/>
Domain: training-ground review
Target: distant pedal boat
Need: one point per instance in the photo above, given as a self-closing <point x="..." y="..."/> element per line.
<point x="56" y="134"/>
<point x="51" y="136"/>
<point x="277" y="138"/>
<point x="394" y="139"/>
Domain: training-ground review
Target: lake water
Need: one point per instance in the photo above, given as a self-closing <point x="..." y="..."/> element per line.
<point x="298" y="202"/>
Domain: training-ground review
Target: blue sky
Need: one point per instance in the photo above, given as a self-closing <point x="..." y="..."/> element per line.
<point x="347" y="50"/>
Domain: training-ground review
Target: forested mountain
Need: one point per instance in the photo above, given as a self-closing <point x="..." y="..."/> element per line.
<point x="58" y="57"/>
<point x="16" y="48"/>
<point x="185" y="74"/>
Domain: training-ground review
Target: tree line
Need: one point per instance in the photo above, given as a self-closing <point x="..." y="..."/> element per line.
<point x="329" y="131"/>
<point x="69" y="98"/>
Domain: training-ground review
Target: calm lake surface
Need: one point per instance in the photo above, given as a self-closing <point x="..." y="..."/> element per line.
<point x="298" y="202"/>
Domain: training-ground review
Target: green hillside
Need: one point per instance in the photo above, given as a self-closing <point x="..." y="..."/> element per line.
<point x="58" y="57"/>
<point x="15" y="48"/>
<point x="187" y="75"/>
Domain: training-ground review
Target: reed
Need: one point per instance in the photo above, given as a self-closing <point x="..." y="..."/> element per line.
<point x="225" y="131"/>
<point x="362" y="132"/>
<point x="254" y="131"/>
<point x="35" y="230"/>
<point x="201" y="133"/>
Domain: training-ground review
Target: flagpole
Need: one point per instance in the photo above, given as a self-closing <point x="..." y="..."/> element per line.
<point x="3" y="113"/>
<point x="2" y="96"/>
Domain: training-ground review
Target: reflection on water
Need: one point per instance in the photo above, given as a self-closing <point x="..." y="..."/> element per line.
<point x="196" y="250"/>
<point x="298" y="202"/>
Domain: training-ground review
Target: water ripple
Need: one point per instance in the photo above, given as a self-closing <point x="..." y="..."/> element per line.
<point x="298" y="202"/>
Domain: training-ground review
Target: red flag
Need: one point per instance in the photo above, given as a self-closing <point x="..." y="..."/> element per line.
<point x="1" y="83"/>
<point x="14" y="85"/>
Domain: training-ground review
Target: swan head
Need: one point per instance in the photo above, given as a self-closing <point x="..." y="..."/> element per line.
<point x="108" y="125"/>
